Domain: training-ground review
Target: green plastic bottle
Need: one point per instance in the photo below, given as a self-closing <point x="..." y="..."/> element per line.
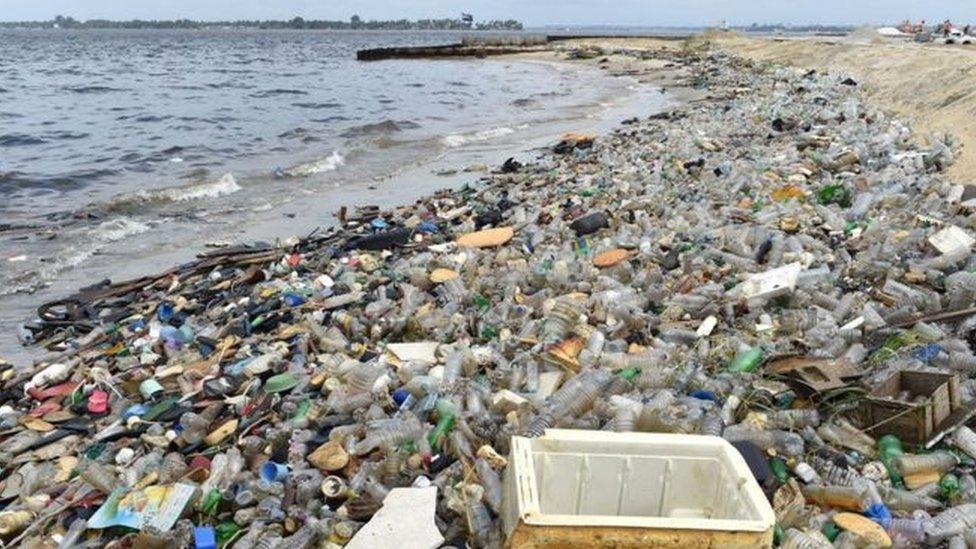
<point x="629" y="373"/>
<point x="779" y="469"/>
<point x="949" y="486"/>
<point x="890" y="447"/>
<point x="446" y="415"/>
<point x="210" y="502"/>
<point x="830" y="530"/>
<point x="225" y="532"/>
<point x="746" y="361"/>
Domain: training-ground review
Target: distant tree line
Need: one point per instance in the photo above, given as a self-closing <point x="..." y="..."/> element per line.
<point x="756" y="27"/>
<point x="354" y="23"/>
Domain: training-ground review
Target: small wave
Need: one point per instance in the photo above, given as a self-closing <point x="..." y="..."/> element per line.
<point x="317" y="106"/>
<point x="276" y="92"/>
<point x="211" y="189"/>
<point x="94" y="241"/>
<point x="379" y="128"/>
<point x="460" y="139"/>
<point x="19" y="140"/>
<point x="223" y="186"/>
<point x="92" y="89"/>
<point x="117" y="229"/>
<point x="328" y="164"/>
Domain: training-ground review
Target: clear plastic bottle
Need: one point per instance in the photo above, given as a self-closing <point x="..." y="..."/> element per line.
<point x="909" y="530"/>
<point x="841" y="497"/>
<point x="479" y="522"/>
<point x="951" y="522"/>
<point x="937" y="462"/>
<point x="491" y="482"/>
<point x="712" y="424"/>
<point x="965" y="439"/>
<point x="306" y="536"/>
<point x="562" y="318"/>
<point x="71" y="538"/>
<point x="806" y="473"/>
<point x="903" y="500"/>
<point x="99" y="476"/>
<point x="956" y="542"/>
<point x="195" y="427"/>
<point x="793" y="419"/>
<point x="403" y="430"/>
<point x="577" y="394"/>
<point x="783" y="442"/>
<point x="250" y="538"/>
<point x="795" y="539"/>
<point x="842" y="433"/>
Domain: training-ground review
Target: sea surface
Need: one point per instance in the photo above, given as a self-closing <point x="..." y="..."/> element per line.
<point x="124" y="152"/>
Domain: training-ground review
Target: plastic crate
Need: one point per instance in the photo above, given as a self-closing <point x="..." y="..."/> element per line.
<point x="595" y="488"/>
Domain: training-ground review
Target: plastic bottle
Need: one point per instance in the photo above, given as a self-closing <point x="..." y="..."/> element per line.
<point x="951" y="522"/>
<point x="562" y="318"/>
<point x="889" y="448"/>
<point x="492" y="484"/>
<point x="903" y="500"/>
<point x="74" y="533"/>
<point x="99" y="476"/>
<point x="806" y="473"/>
<point x="793" y="419"/>
<point x="250" y="538"/>
<point x="446" y="416"/>
<point x="784" y="442"/>
<point x="909" y="530"/>
<point x="842" y="433"/>
<point x="936" y="462"/>
<point x="746" y="361"/>
<point x="306" y="536"/>
<point x="965" y="439"/>
<point x="712" y="425"/>
<point x="577" y="394"/>
<point x="841" y="497"/>
<point x="795" y="539"/>
<point x="478" y="521"/>
<point x="403" y="430"/>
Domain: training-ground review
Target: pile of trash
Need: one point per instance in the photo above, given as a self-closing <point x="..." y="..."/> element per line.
<point x="779" y="265"/>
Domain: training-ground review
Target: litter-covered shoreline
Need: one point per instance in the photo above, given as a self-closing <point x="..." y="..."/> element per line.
<point x="776" y="263"/>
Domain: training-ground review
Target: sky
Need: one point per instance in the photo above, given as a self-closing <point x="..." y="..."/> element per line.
<point x="530" y="12"/>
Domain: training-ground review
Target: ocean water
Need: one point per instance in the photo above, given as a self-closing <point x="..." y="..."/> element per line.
<point x="124" y="152"/>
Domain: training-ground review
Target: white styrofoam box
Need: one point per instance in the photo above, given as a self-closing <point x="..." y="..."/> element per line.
<point x="951" y="239"/>
<point x="652" y="481"/>
<point x="771" y="283"/>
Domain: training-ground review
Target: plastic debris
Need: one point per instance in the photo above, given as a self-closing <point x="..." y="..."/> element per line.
<point x="775" y="263"/>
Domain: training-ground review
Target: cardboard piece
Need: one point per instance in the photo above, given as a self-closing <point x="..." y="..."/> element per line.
<point x="816" y="374"/>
